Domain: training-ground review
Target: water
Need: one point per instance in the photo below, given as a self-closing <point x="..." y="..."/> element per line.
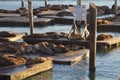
<point x="15" y="4"/>
<point x="107" y="63"/>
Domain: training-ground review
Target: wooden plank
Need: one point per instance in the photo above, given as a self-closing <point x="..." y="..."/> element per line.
<point x="17" y="37"/>
<point x="71" y="57"/>
<point x="23" y="71"/>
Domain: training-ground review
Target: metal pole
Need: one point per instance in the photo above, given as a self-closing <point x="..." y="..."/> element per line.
<point x="116" y="8"/>
<point x="31" y="21"/>
<point x="93" y="31"/>
<point x="22" y="5"/>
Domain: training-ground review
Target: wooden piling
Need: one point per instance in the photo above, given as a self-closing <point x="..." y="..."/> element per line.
<point x="93" y="31"/>
<point x="22" y="3"/>
<point x="46" y="2"/>
<point x="116" y="8"/>
<point x="31" y="21"/>
<point x="79" y="2"/>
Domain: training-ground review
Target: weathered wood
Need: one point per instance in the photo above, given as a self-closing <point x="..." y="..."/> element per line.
<point x="47" y="13"/>
<point x="61" y="19"/>
<point x="71" y="57"/>
<point x="23" y="21"/>
<point x="113" y="26"/>
<point x="46" y="3"/>
<point x="85" y="32"/>
<point x="8" y="15"/>
<point x="79" y="2"/>
<point x="75" y="31"/>
<point x="116" y="7"/>
<point x="107" y="42"/>
<point x="17" y="37"/>
<point x="31" y="17"/>
<point x="22" y="3"/>
<point x="93" y="31"/>
<point x="23" y="71"/>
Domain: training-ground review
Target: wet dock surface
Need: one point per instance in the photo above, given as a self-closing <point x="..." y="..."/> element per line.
<point x="114" y="27"/>
<point x="8" y="15"/>
<point x="72" y="57"/>
<point x="17" y="37"/>
<point x="22" y="71"/>
<point x="12" y="69"/>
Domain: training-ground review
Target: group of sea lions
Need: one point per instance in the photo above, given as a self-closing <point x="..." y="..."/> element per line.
<point x="104" y="36"/>
<point x="11" y="59"/>
<point x="20" y="48"/>
<point x="45" y="48"/>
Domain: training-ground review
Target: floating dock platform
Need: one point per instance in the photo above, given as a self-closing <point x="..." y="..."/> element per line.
<point x="22" y="71"/>
<point x="17" y="37"/>
<point x="8" y="15"/>
<point x="107" y="42"/>
<point x="23" y="21"/>
<point x="61" y="19"/>
<point x="114" y="27"/>
<point x="71" y="57"/>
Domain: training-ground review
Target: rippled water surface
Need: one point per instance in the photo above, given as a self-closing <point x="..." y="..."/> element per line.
<point x="107" y="63"/>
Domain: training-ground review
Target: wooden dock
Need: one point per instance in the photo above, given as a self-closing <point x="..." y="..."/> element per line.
<point x="114" y="26"/>
<point x="107" y="42"/>
<point x="47" y="13"/>
<point x="71" y="57"/>
<point x="23" y="21"/>
<point x="23" y="71"/>
<point x="8" y="15"/>
<point x="17" y="37"/>
<point x="61" y="19"/>
<point x="65" y="19"/>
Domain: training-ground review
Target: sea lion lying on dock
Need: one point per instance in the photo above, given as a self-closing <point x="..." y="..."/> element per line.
<point x="36" y="60"/>
<point x="53" y="35"/>
<point x="45" y="48"/>
<point x="11" y="47"/>
<point x="104" y="36"/>
<point x="7" y="34"/>
<point x="10" y="59"/>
